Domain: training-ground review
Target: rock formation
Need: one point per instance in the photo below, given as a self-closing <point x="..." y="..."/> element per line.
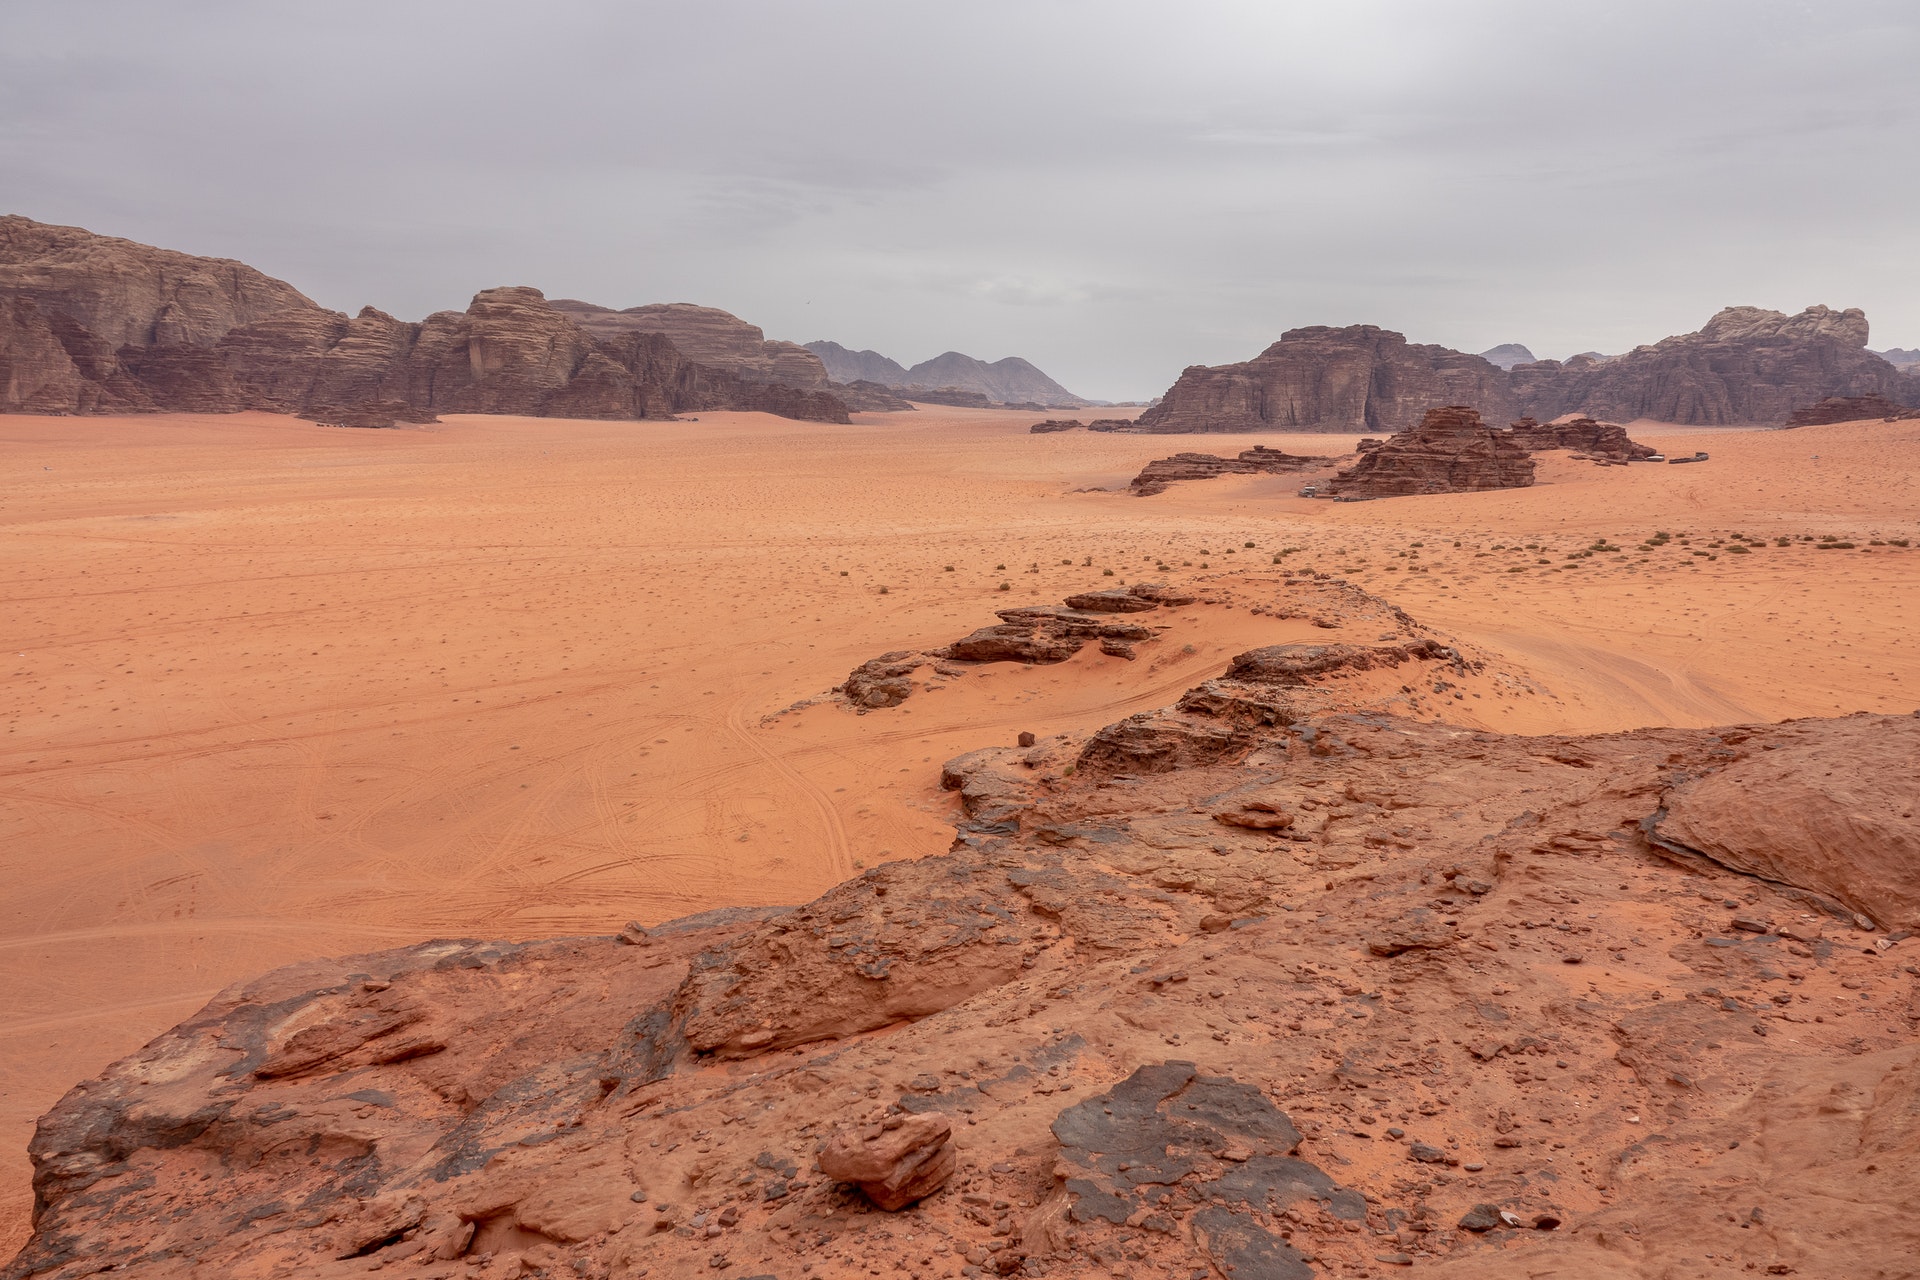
<point x="127" y="294"/>
<point x="1360" y="378"/>
<point x="1850" y="409"/>
<point x="1906" y="358"/>
<point x="1158" y="474"/>
<point x="1507" y="355"/>
<point x="1451" y="451"/>
<point x="91" y="324"/>
<point x="1584" y="435"/>
<point x="1746" y="365"/>
<point x="1052" y="425"/>
<point x="869" y="397"/>
<point x="709" y="336"/>
<point x="1214" y="990"/>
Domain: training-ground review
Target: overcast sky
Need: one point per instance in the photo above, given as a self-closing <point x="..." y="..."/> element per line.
<point x="1114" y="190"/>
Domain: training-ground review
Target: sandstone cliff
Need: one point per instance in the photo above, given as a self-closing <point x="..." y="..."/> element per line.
<point x="1451" y="451"/>
<point x="92" y="324"/>
<point x="710" y="336"/>
<point x="1268" y="983"/>
<point x="1746" y="365"/>
<point x="1360" y="378"/>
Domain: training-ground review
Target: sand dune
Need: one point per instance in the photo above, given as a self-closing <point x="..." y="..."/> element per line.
<point x="278" y="691"/>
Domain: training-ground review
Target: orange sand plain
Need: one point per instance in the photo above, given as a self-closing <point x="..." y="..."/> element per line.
<point x="276" y="690"/>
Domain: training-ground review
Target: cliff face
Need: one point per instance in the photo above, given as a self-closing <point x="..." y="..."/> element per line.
<point x="709" y="335"/>
<point x="510" y="351"/>
<point x="129" y="294"/>
<point x="1360" y="378"/>
<point x="1746" y="365"/>
<point x="93" y="324"/>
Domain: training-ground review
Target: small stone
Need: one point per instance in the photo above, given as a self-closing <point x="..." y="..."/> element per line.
<point x="634" y="934"/>
<point x="1473" y="1166"/>
<point x="1572" y="957"/>
<point x="1394" y="1259"/>
<point x="1750" y="924"/>
<point x="1425" y="1154"/>
<point x="924" y="1084"/>
<point x="1027" y="739"/>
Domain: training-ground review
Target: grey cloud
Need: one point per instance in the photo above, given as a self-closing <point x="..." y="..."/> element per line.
<point x="1112" y="189"/>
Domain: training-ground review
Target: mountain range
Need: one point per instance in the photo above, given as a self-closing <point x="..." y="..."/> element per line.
<point x="1008" y="381"/>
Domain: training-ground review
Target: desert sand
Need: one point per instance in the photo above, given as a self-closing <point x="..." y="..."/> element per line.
<point x="279" y="691"/>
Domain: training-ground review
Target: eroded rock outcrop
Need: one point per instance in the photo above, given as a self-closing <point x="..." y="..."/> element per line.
<point x="91" y="324"/>
<point x="1157" y="475"/>
<point x="1451" y="451"/>
<point x="1358" y="378"/>
<point x="709" y="336"/>
<point x="1114" y="1033"/>
<point x="1850" y="409"/>
<point x="1584" y="435"/>
<point x="1745" y="365"/>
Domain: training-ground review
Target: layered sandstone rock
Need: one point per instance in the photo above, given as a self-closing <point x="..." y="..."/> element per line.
<point x="128" y="294"/>
<point x="1451" y="451"/>
<point x="1157" y="475"/>
<point x="1746" y="365"/>
<point x="1292" y="1001"/>
<point x="1360" y="378"/>
<point x="91" y="324"/>
<point x="1584" y="435"/>
<point x="868" y="397"/>
<point x="708" y="336"/>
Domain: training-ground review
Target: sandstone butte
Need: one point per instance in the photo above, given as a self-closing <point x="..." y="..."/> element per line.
<point x="1746" y="365"/>
<point x="94" y="324"/>
<point x="1451" y="451"/>
<point x="1265" y="983"/>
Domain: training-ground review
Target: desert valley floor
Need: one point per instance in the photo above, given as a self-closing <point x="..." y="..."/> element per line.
<point x="278" y="691"/>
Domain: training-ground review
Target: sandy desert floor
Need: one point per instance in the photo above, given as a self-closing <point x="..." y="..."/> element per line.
<point x="277" y="691"/>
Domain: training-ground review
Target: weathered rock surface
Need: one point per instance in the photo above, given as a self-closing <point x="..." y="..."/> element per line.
<point x="1451" y="451"/>
<point x="90" y="324"/>
<point x="1831" y="810"/>
<point x="1359" y="378"/>
<point x="895" y="1161"/>
<point x="128" y="294"/>
<point x="1850" y="409"/>
<point x="1585" y="435"/>
<point x="868" y="397"/>
<point x="1458" y="1000"/>
<point x="1157" y="475"/>
<point x="709" y="336"/>
<point x="1052" y="425"/>
<point x="1746" y="365"/>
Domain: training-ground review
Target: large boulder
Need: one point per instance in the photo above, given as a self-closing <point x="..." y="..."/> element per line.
<point x="1451" y="451"/>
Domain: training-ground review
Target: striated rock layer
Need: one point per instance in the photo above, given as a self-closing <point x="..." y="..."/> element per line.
<point x="1451" y="451"/>
<point x="1850" y="409"/>
<point x="1290" y="997"/>
<point x="1157" y="475"/>
<point x="91" y="324"/>
<point x="708" y="335"/>
<point x="1596" y="439"/>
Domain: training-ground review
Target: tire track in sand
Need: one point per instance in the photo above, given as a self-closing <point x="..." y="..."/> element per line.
<point x="839" y="860"/>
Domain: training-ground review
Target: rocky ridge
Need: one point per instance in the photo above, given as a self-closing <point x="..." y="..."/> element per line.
<point x="1850" y="409"/>
<point x="709" y="336"/>
<point x="951" y="378"/>
<point x="91" y="324"/>
<point x="1293" y="995"/>
<point x="1745" y="365"/>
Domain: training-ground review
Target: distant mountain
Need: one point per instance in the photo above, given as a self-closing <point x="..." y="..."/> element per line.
<point x="858" y="366"/>
<point x="1008" y="381"/>
<point x="1901" y="357"/>
<point x="1507" y="355"/>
